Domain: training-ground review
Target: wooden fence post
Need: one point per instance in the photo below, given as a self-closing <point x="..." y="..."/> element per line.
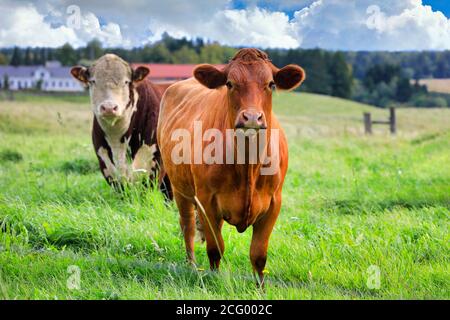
<point x="392" y="120"/>
<point x="367" y="123"/>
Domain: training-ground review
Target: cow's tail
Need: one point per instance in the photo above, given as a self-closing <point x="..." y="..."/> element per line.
<point x="200" y="234"/>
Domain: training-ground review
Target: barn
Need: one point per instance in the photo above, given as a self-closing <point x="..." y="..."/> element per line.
<point x="54" y="77"/>
<point x="49" y="77"/>
<point x="163" y="73"/>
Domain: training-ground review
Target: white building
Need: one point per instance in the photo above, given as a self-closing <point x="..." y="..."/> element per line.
<point x="51" y="77"/>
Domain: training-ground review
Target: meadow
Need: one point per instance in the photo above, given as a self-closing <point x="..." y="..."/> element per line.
<point x="363" y="217"/>
<point x="437" y="85"/>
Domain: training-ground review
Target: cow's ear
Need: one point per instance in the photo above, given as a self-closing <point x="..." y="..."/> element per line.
<point x="80" y="73"/>
<point x="140" y="74"/>
<point x="210" y="76"/>
<point x="289" y="77"/>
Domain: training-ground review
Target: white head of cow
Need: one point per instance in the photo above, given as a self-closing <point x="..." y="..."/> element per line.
<point x="111" y="85"/>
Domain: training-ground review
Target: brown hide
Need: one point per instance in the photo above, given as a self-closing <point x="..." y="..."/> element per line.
<point x="236" y="193"/>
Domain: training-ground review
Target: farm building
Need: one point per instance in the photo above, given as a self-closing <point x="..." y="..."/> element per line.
<point x="160" y="73"/>
<point x="51" y="77"/>
<point x="54" y="77"/>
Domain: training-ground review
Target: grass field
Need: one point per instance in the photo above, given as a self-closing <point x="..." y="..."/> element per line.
<point x="437" y="85"/>
<point x="353" y="205"/>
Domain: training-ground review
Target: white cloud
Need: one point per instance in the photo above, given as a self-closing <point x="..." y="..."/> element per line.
<point x="399" y="25"/>
<point x="256" y="27"/>
<point x="141" y="20"/>
<point x="24" y="26"/>
<point x="110" y="34"/>
<point x="330" y="24"/>
<point x="250" y="27"/>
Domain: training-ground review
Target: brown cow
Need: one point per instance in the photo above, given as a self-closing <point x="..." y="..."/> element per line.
<point x="239" y="96"/>
<point x="126" y="108"/>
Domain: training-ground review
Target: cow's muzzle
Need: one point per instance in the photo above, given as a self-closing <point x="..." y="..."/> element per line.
<point x="250" y="119"/>
<point x="109" y="109"/>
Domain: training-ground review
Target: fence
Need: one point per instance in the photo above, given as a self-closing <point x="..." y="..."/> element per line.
<point x="392" y="122"/>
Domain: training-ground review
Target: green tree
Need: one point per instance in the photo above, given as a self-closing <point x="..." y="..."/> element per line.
<point x="16" y="59"/>
<point x="37" y="57"/>
<point x="381" y="73"/>
<point x="341" y="77"/>
<point x="404" y="90"/>
<point x="93" y="50"/>
<point x="161" y="53"/>
<point x="28" y="60"/>
<point x="156" y="53"/>
<point x="3" y="59"/>
<point x="216" y="54"/>
<point x="67" y="55"/>
<point x="185" y="55"/>
<point x="50" y="55"/>
<point x="442" y="68"/>
<point x="315" y="62"/>
<point x="176" y="44"/>
<point x="43" y="55"/>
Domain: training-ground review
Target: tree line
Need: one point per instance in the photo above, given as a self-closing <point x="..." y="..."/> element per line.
<point x="378" y="78"/>
<point x="417" y="65"/>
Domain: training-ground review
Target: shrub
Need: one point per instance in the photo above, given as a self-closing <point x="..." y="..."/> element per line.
<point x="10" y="156"/>
<point x="79" y="166"/>
<point x="427" y="101"/>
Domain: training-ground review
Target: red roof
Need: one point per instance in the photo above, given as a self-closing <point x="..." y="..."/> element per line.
<point x="170" y="71"/>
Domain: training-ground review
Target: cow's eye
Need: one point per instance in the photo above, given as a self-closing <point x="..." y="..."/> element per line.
<point x="229" y="85"/>
<point x="91" y="81"/>
<point x="272" y="85"/>
<point x="127" y="82"/>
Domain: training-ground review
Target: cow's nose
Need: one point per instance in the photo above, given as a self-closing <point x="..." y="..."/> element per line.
<point x="109" y="108"/>
<point x="251" y="120"/>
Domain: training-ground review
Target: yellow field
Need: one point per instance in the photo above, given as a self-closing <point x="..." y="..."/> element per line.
<point x="437" y="85"/>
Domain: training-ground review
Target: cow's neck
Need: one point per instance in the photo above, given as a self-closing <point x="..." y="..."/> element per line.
<point x="249" y="172"/>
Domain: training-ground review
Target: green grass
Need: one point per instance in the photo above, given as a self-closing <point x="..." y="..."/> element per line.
<point x="46" y="97"/>
<point x="350" y="202"/>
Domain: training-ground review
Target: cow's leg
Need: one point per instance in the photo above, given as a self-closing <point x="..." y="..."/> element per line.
<point x="212" y="227"/>
<point x="109" y="170"/>
<point x="165" y="185"/>
<point x="262" y="230"/>
<point x="214" y="242"/>
<point x="187" y="223"/>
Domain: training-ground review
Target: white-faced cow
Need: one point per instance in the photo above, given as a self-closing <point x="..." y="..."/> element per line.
<point x="126" y="108"/>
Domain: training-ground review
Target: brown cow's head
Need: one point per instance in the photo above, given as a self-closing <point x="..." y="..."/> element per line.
<point x="250" y="78"/>
<point x="110" y="80"/>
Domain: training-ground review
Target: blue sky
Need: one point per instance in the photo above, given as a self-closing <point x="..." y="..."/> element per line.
<point x="267" y="4"/>
<point x="392" y="25"/>
<point x="439" y="5"/>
